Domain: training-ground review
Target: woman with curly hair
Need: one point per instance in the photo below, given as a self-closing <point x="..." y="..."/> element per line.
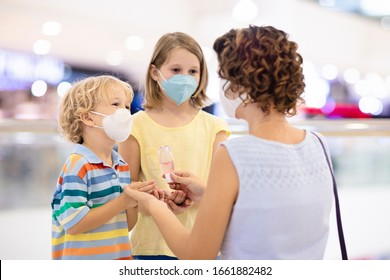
<point x="269" y="194"/>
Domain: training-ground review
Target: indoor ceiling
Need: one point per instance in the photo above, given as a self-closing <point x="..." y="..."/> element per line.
<point x="93" y="29"/>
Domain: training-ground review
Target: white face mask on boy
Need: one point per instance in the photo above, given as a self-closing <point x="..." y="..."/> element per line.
<point x="229" y="105"/>
<point x="118" y="125"/>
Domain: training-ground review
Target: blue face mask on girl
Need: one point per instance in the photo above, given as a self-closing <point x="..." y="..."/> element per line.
<point x="179" y="87"/>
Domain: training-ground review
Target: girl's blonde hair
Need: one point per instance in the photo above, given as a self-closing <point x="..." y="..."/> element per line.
<point x="82" y="98"/>
<point x="164" y="47"/>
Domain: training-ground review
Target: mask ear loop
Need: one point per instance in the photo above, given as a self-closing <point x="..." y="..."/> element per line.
<point x="192" y="101"/>
<point x="228" y="85"/>
<point x="99" y="114"/>
<point x="161" y="87"/>
<point x="161" y="74"/>
<point x="225" y="86"/>
<point x="247" y="99"/>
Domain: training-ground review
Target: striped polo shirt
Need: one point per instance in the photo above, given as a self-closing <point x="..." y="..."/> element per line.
<point x="86" y="182"/>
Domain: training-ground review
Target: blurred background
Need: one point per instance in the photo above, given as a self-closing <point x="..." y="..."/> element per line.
<point x="45" y="45"/>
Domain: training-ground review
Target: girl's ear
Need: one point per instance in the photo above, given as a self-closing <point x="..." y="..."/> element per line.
<point x="154" y="72"/>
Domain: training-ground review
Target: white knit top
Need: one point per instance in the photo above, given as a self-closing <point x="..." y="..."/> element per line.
<point x="284" y="200"/>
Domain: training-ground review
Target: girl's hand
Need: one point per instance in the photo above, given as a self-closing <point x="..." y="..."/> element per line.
<point x="159" y="194"/>
<point x="145" y="201"/>
<point x="147" y="186"/>
<point x="128" y="201"/>
<point x="177" y="196"/>
<point x="178" y="209"/>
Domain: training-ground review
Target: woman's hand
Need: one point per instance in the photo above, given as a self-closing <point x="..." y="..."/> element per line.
<point x="189" y="184"/>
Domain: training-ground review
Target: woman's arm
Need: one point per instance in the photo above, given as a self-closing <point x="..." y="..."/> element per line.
<point x="205" y="239"/>
<point x="220" y="137"/>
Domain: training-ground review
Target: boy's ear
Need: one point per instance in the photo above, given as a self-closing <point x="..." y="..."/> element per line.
<point x="86" y="119"/>
<point x="153" y="72"/>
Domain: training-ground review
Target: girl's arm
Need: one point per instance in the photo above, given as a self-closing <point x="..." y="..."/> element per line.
<point x="132" y="212"/>
<point x="132" y="217"/>
<point x="130" y="151"/>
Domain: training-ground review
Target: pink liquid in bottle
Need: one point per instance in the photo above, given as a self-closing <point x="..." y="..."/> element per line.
<point x="166" y="162"/>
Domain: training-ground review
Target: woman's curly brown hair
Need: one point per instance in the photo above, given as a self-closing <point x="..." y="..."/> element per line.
<point x="262" y="62"/>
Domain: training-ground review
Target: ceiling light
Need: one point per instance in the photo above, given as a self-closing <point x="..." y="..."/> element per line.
<point x="42" y="47"/>
<point x="330" y="72"/>
<point x="114" y="58"/>
<point x="351" y="75"/>
<point x="370" y="105"/>
<point x="134" y="43"/>
<point x="51" y="28"/>
<point x="63" y="88"/>
<point x="39" y="88"/>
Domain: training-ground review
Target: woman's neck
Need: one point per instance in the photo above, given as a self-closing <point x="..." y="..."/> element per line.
<point x="271" y="126"/>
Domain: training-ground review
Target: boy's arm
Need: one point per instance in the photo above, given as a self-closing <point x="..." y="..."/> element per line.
<point x="101" y="215"/>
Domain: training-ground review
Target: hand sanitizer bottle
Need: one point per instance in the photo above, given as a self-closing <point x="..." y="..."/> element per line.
<point x="166" y="162"/>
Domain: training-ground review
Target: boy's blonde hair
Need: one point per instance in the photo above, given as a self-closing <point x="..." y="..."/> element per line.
<point x="82" y="98"/>
<point x="164" y="47"/>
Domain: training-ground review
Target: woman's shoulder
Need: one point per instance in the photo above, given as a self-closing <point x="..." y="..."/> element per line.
<point x="234" y="141"/>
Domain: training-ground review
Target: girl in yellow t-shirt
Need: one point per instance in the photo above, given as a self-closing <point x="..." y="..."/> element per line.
<point x="176" y="84"/>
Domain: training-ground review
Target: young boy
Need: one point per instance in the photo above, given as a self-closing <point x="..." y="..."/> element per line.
<point x="91" y="216"/>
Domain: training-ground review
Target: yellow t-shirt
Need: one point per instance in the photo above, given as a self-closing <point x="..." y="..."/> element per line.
<point x="192" y="149"/>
